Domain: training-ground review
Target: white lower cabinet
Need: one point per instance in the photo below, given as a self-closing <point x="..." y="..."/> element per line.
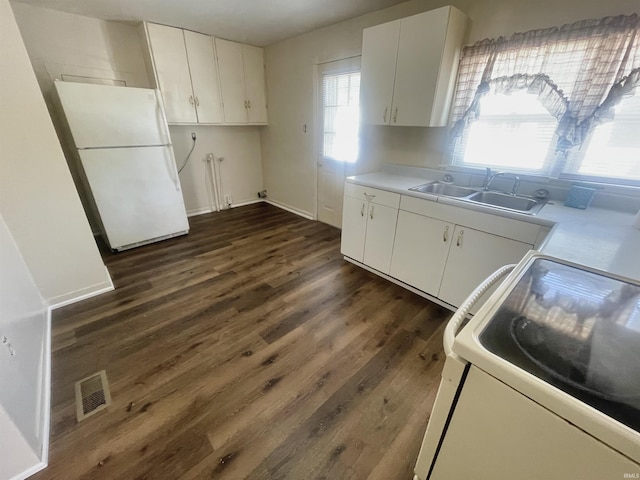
<point x="473" y="256"/>
<point x="420" y="251"/>
<point x="442" y="250"/>
<point x="354" y="227"/>
<point x="378" y="245"/>
<point x="369" y="225"/>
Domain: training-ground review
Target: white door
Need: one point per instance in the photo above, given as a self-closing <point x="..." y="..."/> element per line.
<point x="379" y="50"/>
<point x="354" y="227"/>
<point x="253" y="62"/>
<point x="417" y="69"/>
<point x="137" y="193"/>
<point x="420" y="251"/>
<point x="338" y="101"/>
<point x="232" y="84"/>
<point x="109" y="116"/>
<point x="204" y="77"/>
<point x="381" y="229"/>
<point x="474" y="256"/>
<point x="172" y="69"/>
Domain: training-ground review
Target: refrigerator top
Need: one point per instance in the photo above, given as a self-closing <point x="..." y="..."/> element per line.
<point x="106" y="116"/>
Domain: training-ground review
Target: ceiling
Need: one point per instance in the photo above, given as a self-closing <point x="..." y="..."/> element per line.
<point x="257" y="22"/>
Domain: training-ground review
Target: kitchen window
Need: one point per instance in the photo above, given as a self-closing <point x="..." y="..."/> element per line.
<point x="340" y="112"/>
<point x="612" y="150"/>
<point x="559" y="102"/>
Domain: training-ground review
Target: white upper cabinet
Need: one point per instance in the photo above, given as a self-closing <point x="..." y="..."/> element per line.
<point x="185" y="69"/>
<point x="204" y="77"/>
<point x="409" y="68"/>
<point x="378" y="67"/>
<point x="242" y="82"/>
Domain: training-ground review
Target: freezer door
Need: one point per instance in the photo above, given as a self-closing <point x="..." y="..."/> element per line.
<point x="137" y="193"/>
<point x="108" y="116"/>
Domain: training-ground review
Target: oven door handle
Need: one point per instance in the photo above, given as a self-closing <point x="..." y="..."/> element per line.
<point x="454" y="324"/>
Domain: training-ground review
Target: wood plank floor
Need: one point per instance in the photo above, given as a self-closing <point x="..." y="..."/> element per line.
<point x="246" y="349"/>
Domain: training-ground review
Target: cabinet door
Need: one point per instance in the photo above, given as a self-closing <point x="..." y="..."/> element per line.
<point x="253" y="61"/>
<point x="501" y="434"/>
<point x="354" y="227"/>
<point x="418" y="66"/>
<point x="172" y="72"/>
<point x="204" y="77"/>
<point x="381" y="229"/>
<point x="232" y="86"/>
<point x="474" y="256"/>
<point x="379" y="49"/>
<point x="420" y="251"/>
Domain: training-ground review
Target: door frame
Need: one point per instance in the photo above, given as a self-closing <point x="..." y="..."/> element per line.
<point x="320" y="67"/>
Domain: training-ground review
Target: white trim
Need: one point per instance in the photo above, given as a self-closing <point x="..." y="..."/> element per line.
<point x="30" y="471"/>
<point x="46" y="403"/>
<point x="247" y="202"/>
<point x="82" y="294"/>
<point x="200" y="211"/>
<point x="291" y="209"/>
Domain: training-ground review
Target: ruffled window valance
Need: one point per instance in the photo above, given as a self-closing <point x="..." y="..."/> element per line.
<point x="579" y="73"/>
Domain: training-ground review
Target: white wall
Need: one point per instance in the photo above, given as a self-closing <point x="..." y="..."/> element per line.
<point x="65" y="44"/>
<point x="288" y="154"/>
<point x="37" y="196"/>
<point x="240" y="171"/>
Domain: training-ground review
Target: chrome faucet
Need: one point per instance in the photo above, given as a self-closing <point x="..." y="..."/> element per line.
<point x="490" y="178"/>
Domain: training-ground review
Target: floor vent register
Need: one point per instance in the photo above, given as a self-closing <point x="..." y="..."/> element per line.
<point x="92" y="395"/>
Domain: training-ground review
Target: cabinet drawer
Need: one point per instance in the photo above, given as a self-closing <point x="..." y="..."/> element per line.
<point x="381" y="197"/>
<point x="484" y="222"/>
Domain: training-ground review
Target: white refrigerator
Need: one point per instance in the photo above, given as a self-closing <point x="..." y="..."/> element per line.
<point x="125" y="151"/>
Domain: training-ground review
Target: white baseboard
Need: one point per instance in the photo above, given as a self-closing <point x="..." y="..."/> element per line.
<point x="291" y="209"/>
<point x="82" y="294"/>
<point x="247" y="202"/>
<point x="200" y="211"/>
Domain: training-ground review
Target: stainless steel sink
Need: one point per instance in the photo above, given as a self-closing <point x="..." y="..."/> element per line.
<point x="510" y="202"/>
<point x="438" y="188"/>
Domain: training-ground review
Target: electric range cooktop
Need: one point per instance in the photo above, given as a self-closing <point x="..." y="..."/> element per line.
<point x="577" y="330"/>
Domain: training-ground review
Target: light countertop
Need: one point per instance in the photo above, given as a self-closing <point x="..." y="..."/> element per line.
<point x="596" y="237"/>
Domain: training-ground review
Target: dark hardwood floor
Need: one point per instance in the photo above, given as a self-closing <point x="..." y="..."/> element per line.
<point x="247" y="349"/>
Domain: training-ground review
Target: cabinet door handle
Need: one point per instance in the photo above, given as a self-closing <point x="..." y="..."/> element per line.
<point x="384" y="115"/>
<point x="249" y="103"/>
<point x="371" y="212"/>
<point x="445" y="234"/>
<point x="362" y="210"/>
<point x="459" y="240"/>
<point x="395" y="115"/>
<point x="197" y="102"/>
<point x="191" y="101"/>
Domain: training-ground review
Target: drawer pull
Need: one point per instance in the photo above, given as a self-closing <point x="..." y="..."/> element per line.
<point x="459" y="241"/>
<point x="369" y="197"/>
<point x="445" y="234"/>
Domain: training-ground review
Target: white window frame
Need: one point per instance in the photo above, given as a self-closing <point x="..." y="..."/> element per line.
<point x="336" y="67"/>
